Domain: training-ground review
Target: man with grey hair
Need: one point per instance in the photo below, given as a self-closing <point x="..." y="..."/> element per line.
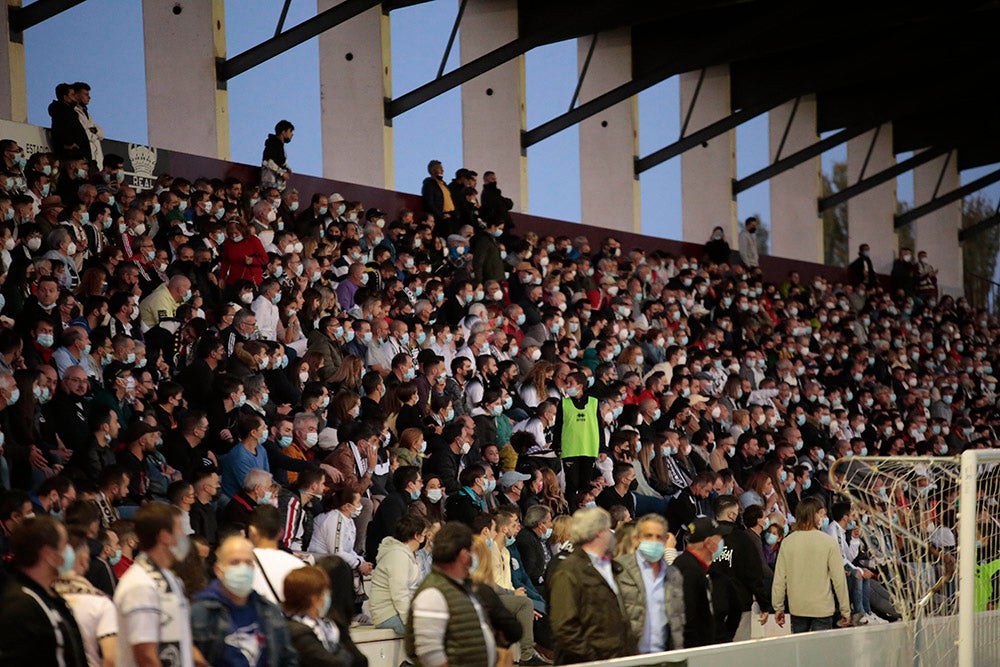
<point x="256" y="491"/>
<point x="586" y="611"/>
<point x="75" y="346"/>
<point x="652" y="591"/>
<point x="63" y="249"/>
<point x="532" y="542"/>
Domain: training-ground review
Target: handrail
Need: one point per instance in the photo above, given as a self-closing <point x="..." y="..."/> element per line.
<point x="982" y="292"/>
<point x="982" y="278"/>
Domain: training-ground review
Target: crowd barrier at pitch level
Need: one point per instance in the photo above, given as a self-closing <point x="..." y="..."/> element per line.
<point x="144" y="163"/>
<point x="888" y="645"/>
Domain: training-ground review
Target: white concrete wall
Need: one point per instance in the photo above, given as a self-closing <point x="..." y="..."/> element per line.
<point x="180" y="53"/>
<point x="796" y="227"/>
<point x="707" y="173"/>
<point x="493" y="107"/>
<point x="354" y="80"/>
<point x="609" y="141"/>
<point x="870" y="214"/>
<point x="937" y="232"/>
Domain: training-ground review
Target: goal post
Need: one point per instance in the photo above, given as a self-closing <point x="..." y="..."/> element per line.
<point x="931" y="529"/>
<point x="977" y="628"/>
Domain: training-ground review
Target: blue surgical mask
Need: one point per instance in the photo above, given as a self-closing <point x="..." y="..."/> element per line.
<point x="652" y="550"/>
<point x="284" y="441"/>
<point x="69" y="560"/>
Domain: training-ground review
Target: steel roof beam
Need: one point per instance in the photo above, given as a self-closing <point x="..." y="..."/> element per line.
<point x="699" y="137"/>
<point x="904" y="219"/>
<point x="22" y="18"/>
<point x="800" y="156"/>
<point x="238" y="64"/>
<point x="881" y="177"/>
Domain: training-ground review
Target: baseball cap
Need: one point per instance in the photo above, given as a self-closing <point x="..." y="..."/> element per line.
<point x="512" y="477"/>
<point x="136" y="431"/>
<point x="704" y="527"/>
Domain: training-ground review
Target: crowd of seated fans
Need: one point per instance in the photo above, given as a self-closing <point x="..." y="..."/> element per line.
<point x="311" y="381"/>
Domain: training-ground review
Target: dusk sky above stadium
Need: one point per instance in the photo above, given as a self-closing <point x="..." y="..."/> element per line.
<point x="109" y="55"/>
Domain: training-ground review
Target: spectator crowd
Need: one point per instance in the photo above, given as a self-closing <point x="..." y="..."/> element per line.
<point x="239" y="422"/>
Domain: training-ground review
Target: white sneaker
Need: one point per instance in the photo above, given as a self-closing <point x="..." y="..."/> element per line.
<point x="873" y="619"/>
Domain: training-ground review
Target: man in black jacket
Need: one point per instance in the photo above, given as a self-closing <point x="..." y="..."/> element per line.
<point x="705" y="543"/>
<point x="690" y="503"/>
<point x="68" y="134"/>
<point x="437" y="199"/>
<point x="446" y="454"/>
<point x="862" y="270"/>
<point x="406" y="486"/>
<point x="36" y="625"/>
<point x="531" y="542"/>
<point x="738" y="577"/>
<point x="470" y="501"/>
<point x="493" y="205"/>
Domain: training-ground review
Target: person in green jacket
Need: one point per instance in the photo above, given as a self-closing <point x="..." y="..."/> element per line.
<point x="586" y="609"/>
<point x="577" y="434"/>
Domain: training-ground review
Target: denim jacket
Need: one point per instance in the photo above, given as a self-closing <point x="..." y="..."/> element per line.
<point x="211" y="621"/>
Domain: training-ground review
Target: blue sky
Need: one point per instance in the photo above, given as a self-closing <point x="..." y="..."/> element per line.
<point x="107" y="52"/>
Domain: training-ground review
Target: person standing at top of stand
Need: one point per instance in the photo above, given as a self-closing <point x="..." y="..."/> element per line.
<point x="275" y="171"/>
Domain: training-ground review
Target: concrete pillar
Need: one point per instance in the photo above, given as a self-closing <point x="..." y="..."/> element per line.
<point x="707" y="172"/>
<point x="937" y="232"/>
<point x="354" y="81"/>
<point x="13" y="78"/>
<point x="796" y="227"/>
<point x="609" y="141"/>
<point x="493" y="108"/>
<point x="870" y="214"/>
<point x="187" y="110"/>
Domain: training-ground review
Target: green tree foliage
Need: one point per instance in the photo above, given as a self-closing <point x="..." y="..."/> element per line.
<point x="979" y="253"/>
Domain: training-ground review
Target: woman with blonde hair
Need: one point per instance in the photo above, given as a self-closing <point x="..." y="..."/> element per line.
<point x="552" y="494"/>
<point x="624" y="544"/>
<point x="630" y="360"/>
<point x="511" y="614"/>
<point x="779" y="482"/>
<point x="760" y="490"/>
<point x="348" y="376"/>
<point x="535" y="387"/>
<point x="411" y="447"/>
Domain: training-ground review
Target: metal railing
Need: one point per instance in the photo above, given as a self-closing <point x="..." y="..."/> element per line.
<point x="982" y="292"/>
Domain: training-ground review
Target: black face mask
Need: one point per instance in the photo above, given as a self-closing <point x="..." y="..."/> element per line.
<point x="634" y="485"/>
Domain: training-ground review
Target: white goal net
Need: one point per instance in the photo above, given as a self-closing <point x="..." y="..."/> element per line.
<point x="929" y="528"/>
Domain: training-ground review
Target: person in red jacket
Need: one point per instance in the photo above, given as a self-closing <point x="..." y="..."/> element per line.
<point x="243" y="256"/>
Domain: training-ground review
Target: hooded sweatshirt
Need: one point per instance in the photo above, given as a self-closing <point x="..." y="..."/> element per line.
<point x="394" y="580"/>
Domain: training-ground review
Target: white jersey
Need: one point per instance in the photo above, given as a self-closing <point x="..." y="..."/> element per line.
<point x="97" y="618"/>
<point x="152" y="608"/>
<point x="269" y="571"/>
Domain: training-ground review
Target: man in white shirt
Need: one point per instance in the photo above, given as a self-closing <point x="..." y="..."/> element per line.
<point x="271" y="564"/>
<point x="154" y="617"/>
<point x="858" y="578"/>
<point x="265" y="307"/>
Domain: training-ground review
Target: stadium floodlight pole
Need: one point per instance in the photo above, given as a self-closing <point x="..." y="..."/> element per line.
<point x="967" y="559"/>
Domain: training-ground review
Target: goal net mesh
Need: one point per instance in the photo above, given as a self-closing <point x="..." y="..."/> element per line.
<point x="909" y="516"/>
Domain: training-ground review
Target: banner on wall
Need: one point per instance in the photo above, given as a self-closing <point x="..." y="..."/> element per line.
<point x="142" y="163"/>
